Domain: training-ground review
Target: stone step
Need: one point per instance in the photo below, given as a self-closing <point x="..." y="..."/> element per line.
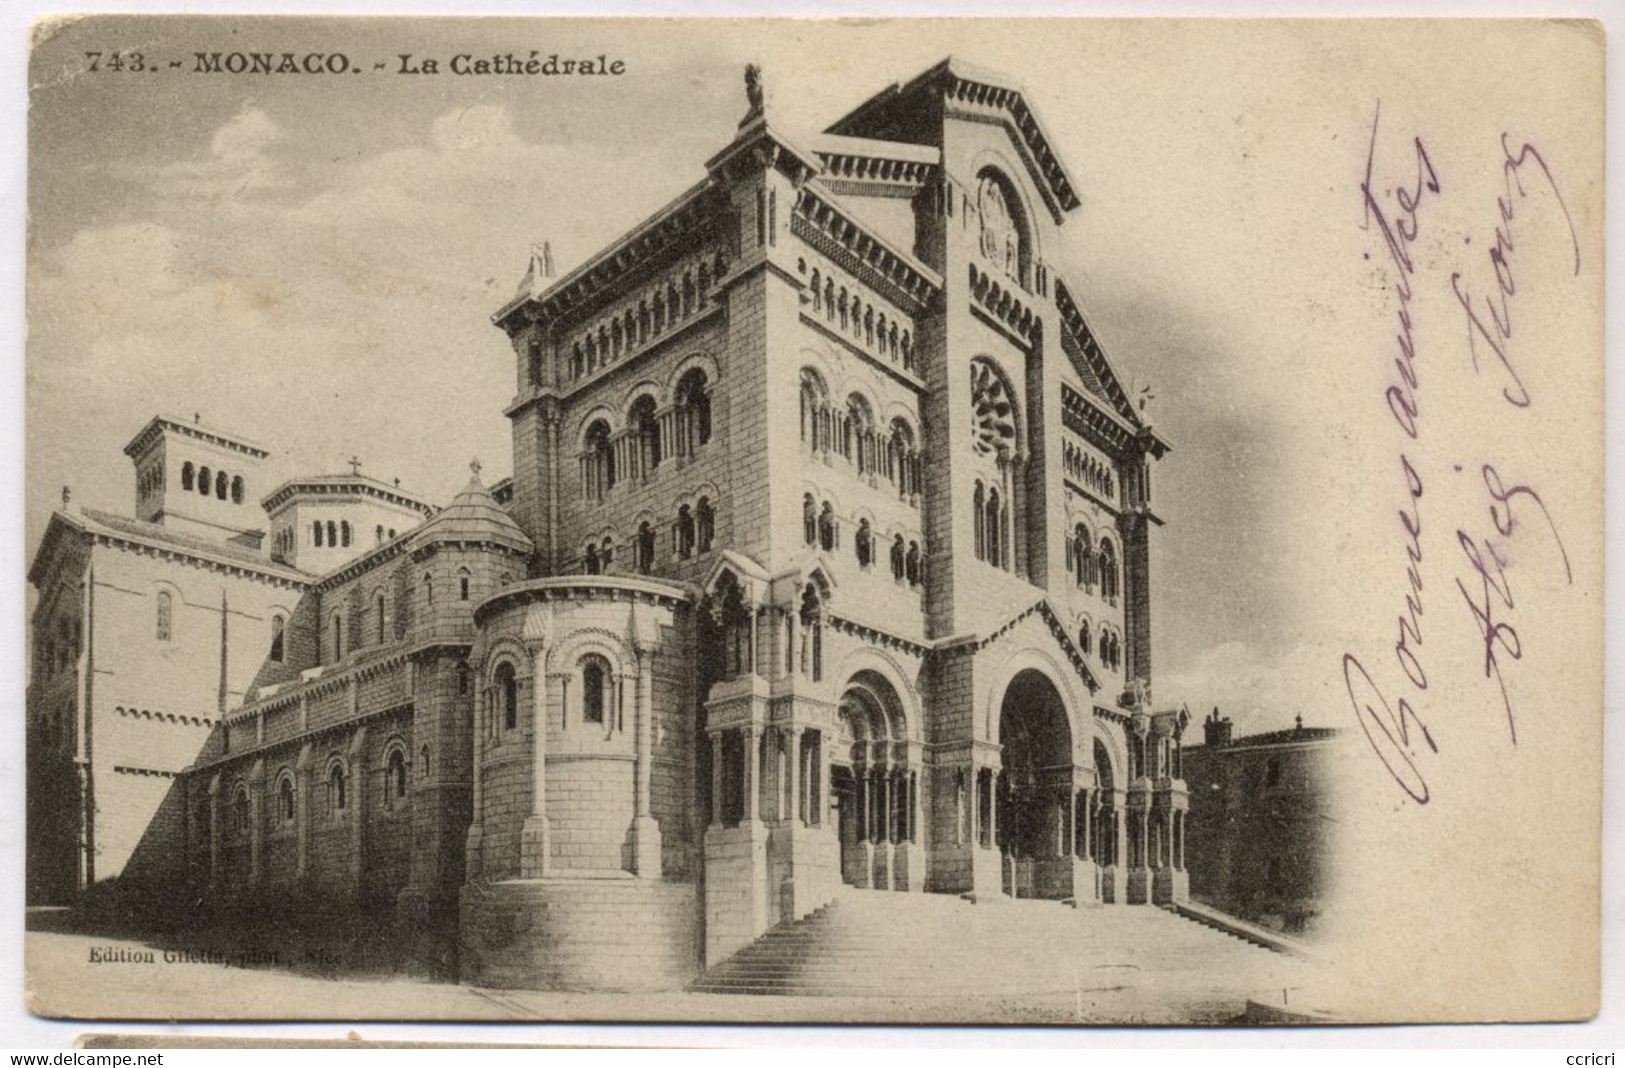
<point x="880" y="944"/>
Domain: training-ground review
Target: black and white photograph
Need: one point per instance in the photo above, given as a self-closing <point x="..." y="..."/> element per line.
<point x="1058" y="522"/>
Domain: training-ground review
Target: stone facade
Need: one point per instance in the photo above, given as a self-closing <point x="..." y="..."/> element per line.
<point x="824" y="560"/>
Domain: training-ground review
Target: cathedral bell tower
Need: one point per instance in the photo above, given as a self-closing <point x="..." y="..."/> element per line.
<point x="198" y="479"/>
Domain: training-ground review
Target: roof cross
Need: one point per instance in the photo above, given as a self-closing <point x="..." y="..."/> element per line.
<point x="355" y="464"/>
<point x="474" y="466"/>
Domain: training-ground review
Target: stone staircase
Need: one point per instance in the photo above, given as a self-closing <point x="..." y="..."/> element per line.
<point x="868" y="943"/>
<point x="1262" y="937"/>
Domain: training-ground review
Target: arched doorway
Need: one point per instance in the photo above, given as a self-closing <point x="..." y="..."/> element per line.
<point x="875" y="786"/>
<point x="1036" y="789"/>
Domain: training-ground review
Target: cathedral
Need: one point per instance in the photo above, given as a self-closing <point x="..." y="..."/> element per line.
<point x="824" y="563"/>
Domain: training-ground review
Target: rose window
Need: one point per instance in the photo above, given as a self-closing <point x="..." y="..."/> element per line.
<point x="993" y="412"/>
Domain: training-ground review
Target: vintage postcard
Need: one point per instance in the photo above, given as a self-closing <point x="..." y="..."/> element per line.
<point x="976" y="521"/>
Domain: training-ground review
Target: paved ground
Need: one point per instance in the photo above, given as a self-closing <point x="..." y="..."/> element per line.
<point x="64" y="981"/>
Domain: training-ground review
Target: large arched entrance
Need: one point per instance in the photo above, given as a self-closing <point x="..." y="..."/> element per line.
<point x="1037" y="787"/>
<point x="875" y="786"/>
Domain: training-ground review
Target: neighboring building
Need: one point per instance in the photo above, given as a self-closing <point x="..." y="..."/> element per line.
<point x="146" y="630"/>
<point x="1259" y="823"/>
<point x="824" y="560"/>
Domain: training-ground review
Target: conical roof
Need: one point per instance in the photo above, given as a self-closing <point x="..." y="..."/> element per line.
<point x="474" y="516"/>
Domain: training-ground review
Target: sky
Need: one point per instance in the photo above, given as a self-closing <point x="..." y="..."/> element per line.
<point x="312" y="261"/>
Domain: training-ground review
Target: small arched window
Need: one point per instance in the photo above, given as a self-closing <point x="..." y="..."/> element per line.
<point x="316" y="534"/>
<point x="336" y="800"/>
<point x="378" y="615"/>
<point x="423" y="763"/>
<point x="285" y="799"/>
<point x="809" y="519"/>
<point x="589" y="559"/>
<point x="332" y="534"/>
<point x="646" y="547"/>
<point x="1083" y="638"/>
<point x="812" y="632"/>
<point x="507" y="684"/>
<point x="705" y="523"/>
<point x="1108" y="571"/>
<point x="594" y="688"/>
<point x="462" y="584"/>
<point x="647" y="429"/>
<point x="222" y="486"/>
<point x="865" y="543"/>
<point x="344" y="533"/>
<point x="693" y="410"/>
<point x="978" y="519"/>
<point x="240" y="811"/>
<point x="338" y="636"/>
<point x="187" y="474"/>
<point x="204" y="477"/>
<point x="913" y="563"/>
<point x="600" y="460"/>
<point x="378" y="534"/>
<point x="278" y="640"/>
<point x="685" y="531"/>
<point x="1083" y="558"/>
<point x="995" y="530"/>
<point x="237" y="489"/>
<point x="428" y="589"/>
<point x="814" y="410"/>
<point x="395" y="777"/>
<point x="826" y="527"/>
<point x="166" y="619"/>
<point x="899" y="555"/>
<point x="606" y="553"/>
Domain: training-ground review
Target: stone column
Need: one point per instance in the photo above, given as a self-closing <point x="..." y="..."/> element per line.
<point x="358" y="807"/>
<point x="716" y="778"/>
<point x="826" y="753"/>
<point x="751" y="770"/>
<point x="256" y="821"/>
<point x="793" y="766"/>
<point x="214" y="834"/>
<point x="474" y="844"/>
<point x="301" y="814"/>
<point x="645" y="829"/>
<point x="535" y="852"/>
<point x="1020" y="559"/>
<point x="993" y="777"/>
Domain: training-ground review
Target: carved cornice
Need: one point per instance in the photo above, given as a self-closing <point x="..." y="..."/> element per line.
<point x="678" y="221"/>
<point x="583" y="588"/>
<point x="1004" y="304"/>
<point x="303" y="738"/>
<point x="827" y="226"/>
<point x="1072" y="320"/>
<point x="1090" y="421"/>
<point x="970" y="644"/>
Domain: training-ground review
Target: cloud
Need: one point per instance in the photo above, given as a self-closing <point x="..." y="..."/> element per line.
<point x="237" y="163"/>
<point x="245" y="137"/>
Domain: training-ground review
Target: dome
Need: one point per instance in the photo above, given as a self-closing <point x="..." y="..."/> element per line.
<point x="474" y="516"/>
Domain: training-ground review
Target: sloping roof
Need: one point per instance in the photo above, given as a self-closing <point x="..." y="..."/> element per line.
<point x="360" y="485"/>
<point x="886" y="115"/>
<point x="154" y="535"/>
<point x="192" y="428"/>
<point x="475" y="516"/>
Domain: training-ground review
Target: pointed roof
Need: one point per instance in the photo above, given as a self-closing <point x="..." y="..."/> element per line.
<point x="475" y="516"/>
<point x="893" y="115"/>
